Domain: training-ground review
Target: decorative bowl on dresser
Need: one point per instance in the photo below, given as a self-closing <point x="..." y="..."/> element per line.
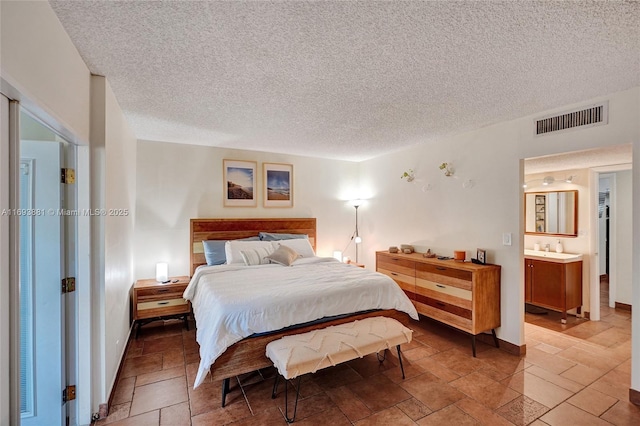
<point x="153" y="300"/>
<point x="460" y="294"/>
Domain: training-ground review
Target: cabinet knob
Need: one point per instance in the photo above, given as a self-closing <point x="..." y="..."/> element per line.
<point x="163" y="303"/>
<point x="440" y="268"/>
<point x="441" y="286"/>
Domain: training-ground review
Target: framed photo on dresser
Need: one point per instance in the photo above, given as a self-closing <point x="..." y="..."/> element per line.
<point x="239" y="183"/>
<point x="278" y="184"/>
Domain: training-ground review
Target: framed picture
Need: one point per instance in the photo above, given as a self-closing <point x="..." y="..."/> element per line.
<point x="482" y="256"/>
<point x="278" y="185"/>
<point x="239" y="183"/>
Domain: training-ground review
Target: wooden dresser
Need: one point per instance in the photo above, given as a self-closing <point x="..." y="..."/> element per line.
<point x="463" y="295"/>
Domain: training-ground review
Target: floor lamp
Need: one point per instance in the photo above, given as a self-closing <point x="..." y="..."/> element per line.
<point x="356" y="236"/>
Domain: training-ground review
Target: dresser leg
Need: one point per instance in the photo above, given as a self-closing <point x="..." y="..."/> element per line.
<point x="473" y="344"/>
<point x="495" y="338"/>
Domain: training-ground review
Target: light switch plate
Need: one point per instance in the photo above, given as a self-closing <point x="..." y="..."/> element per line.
<point x="506" y="239"/>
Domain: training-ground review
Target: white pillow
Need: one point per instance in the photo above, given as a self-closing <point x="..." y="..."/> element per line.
<point x="301" y="246"/>
<point x="233" y="248"/>
<point x="258" y="256"/>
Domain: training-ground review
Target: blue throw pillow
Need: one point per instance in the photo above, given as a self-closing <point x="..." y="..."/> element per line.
<point x="214" y="252"/>
<point x="270" y="236"/>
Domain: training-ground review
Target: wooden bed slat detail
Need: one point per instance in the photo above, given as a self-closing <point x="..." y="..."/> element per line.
<point x="249" y="354"/>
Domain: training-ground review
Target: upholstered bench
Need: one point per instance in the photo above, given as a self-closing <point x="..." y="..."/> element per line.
<point x="309" y="352"/>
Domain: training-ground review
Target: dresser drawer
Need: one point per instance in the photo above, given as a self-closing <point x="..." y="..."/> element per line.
<point x="445" y="275"/>
<point x="395" y="264"/>
<point x="441" y="312"/>
<point x="156" y="293"/>
<point x="400" y="278"/>
<point x="442" y="291"/>
<point x="166" y="303"/>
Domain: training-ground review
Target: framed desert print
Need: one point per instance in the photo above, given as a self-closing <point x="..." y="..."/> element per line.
<point x="278" y="185"/>
<point x="239" y="183"/>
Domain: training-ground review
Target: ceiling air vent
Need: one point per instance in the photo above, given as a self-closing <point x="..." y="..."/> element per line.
<point x="592" y="116"/>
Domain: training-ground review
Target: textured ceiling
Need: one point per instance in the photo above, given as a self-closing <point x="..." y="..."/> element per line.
<point x="348" y="80"/>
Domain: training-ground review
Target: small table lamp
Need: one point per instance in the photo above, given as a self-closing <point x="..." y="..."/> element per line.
<point x="162" y="272"/>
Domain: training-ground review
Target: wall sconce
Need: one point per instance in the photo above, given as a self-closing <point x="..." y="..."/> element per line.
<point x="548" y="180"/>
<point x="448" y="169"/>
<point x="162" y="272"/>
<point x="409" y="175"/>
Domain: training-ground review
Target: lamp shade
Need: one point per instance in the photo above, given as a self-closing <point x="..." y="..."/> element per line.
<point x="162" y="272"/>
<point x="357" y="239"/>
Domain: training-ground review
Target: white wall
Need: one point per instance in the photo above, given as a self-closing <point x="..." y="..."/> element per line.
<point x="41" y="67"/>
<point x="178" y="182"/>
<point x="115" y="163"/>
<point x="436" y="212"/>
<point x="622" y="211"/>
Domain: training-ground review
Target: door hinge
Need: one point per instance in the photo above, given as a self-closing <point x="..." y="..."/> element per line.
<point x="69" y="393"/>
<point x="68" y="285"/>
<point x="67" y="176"/>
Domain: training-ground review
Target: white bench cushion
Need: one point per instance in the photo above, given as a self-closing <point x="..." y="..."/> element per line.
<point x="309" y="352"/>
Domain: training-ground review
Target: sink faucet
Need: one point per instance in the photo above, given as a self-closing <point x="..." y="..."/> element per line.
<point x="546" y="247"/>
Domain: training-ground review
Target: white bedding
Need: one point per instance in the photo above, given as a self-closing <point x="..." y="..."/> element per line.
<point x="231" y="302"/>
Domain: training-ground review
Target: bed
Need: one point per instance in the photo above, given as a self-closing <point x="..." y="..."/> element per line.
<point x="229" y="348"/>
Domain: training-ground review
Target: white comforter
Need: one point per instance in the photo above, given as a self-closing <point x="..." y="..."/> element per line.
<point x="231" y="302"/>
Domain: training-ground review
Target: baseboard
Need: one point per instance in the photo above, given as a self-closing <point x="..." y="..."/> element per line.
<point x="504" y="345"/>
<point x="623" y="306"/>
<point x="634" y="396"/>
<point x="104" y="408"/>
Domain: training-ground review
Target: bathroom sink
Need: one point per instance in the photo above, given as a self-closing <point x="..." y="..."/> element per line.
<point x="552" y="256"/>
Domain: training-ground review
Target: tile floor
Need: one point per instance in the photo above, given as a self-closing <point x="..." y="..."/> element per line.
<point x="576" y="376"/>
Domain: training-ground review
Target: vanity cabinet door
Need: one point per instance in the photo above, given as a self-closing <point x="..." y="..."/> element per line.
<point x="547" y="284"/>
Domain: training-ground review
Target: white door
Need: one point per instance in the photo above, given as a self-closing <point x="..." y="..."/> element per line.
<point x="41" y="272"/>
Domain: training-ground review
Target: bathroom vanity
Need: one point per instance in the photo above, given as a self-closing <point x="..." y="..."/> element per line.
<point x="553" y="280"/>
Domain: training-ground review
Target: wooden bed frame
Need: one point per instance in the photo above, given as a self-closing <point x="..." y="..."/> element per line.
<point x="248" y="354"/>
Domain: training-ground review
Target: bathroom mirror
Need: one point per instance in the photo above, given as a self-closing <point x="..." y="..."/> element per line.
<point x="551" y="213"/>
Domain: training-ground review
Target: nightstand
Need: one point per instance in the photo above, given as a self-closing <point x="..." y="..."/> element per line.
<point x="153" y="300"/>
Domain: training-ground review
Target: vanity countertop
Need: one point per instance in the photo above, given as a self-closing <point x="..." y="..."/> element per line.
<point x="552" y="256"/>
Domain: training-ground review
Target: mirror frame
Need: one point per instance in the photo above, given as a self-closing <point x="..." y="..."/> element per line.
<point x="575" y="214"/>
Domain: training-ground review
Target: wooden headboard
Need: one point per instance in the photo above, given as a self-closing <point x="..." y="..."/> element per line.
<point x="232" y="229"/>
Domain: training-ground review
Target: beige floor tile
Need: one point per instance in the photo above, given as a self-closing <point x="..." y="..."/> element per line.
<point x="390" y="416"/>
<point x="623" y="413"/>
<point x="567" y="414"/>
<point x="481" y="413"/>
<point x="451" y="415"/>
<point x="176" y="415"/>
<point x="538" y="389"/>
<point x="158" y="395"/>
<point x="592" y="401"/>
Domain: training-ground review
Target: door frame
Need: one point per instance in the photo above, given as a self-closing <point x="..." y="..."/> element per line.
<point x="9" y="326"/>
